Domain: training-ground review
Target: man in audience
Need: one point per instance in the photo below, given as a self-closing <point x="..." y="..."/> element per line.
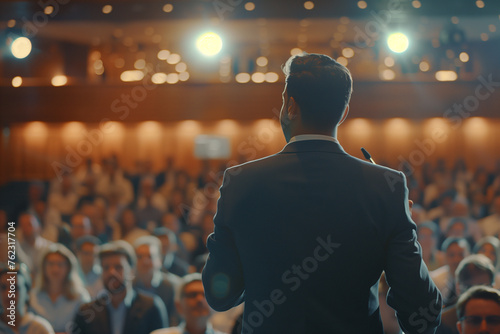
<point x="473" y="270"/>
<point x="478" y="311"/>
<point x="193" y="307"/>
<point x="171" y="262"/>
<point x="149" y="276"/>
<point x="16" y="318"/>
<point x="455" y="249"/>
<point x="121" y="309"/>
<point x="87" y="248"/>
<point x="32" y="243"/>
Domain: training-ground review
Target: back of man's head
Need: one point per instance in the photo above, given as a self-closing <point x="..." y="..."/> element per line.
<point x="320" y="86"/>
<point x="477" y="292"/>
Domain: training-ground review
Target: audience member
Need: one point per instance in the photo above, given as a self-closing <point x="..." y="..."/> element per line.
<point x="128" y="227"/>
<point x="490" y="247"/>
<point x="149" y="276"/>
<point x="171" y="261"/>
<point x="87" y="248"/>
<point x="490" y="225"/>
<point x="121" y="309"/>
<point x="17" y="319"/>
<point x="59" y="291"/>
<point x="193" y="307"/>
<point x="478" y="311"/>
<point x="427" y="234"/>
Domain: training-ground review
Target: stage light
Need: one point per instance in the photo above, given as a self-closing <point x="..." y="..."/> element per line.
<point x="389" y="61"/>
<point x="242" y="77"/>
<point x="168" y="8"/>
<point x="59" y="80"/>
<point x="172" y="78"/>
<point x="128" y="76"/>
<point x="424" y="66"/>
<point x="362" y="4"/>
<point x="387" y="74"/>
<point x="342" y="61"/>
<point x="258" y="77"/>
<point x="262" y="61"/>
<point x="140" y="64"/>
<point x="21" y="47"/>
<point x="249" y="6"/>
<point x="398" y="42"/>
<point x="181" y="67"/>
<point x="492" y="28"/>
<point x="17" y="81"/>
<point x="107" y="9"/>
<point x="464" y="57"/>
<point x="173" y="59"/>
<point x="163" y="54"/>
<point x="480" y="4"/>
<point x="416" y="4"/>
<point x="484" y="37"/>
<point x="446" y="76"/>
<point x="48" y="10"/>
<point x="348" y="52"/>
<point x="209" y="44"/>
<point x="295" y="51"/>
<point x="159" y="78"/>
<point x="308" y="5"/>
<point x="11" y="23"/>
<point x="184" y="76"/>
<point x="272" y="77"/>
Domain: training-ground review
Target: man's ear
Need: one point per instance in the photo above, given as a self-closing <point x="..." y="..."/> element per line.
<point x="293" y="108"/>
<point x="344" y="115"/>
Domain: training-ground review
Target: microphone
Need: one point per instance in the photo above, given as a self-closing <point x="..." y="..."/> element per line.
<point x="367" y="156"/>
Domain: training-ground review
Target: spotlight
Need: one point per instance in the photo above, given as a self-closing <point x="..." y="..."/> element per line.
<point x="398" y="42"/>
<point x="209" y="44"/>
<point x="21" y="47"/>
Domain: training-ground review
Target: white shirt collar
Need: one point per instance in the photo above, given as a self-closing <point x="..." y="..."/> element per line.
<point x="313" y="137"/>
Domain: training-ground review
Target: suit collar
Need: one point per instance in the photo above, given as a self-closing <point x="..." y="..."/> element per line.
<point x="313" y="146"/>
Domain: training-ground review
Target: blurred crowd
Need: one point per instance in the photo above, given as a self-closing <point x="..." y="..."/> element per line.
<point x="167" y="216"/>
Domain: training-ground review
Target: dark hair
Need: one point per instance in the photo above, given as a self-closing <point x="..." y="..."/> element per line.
<point x="320" y="86"/>
<point x="118" y="247"/>
<point x="473" y="265"/>
<point x="453" y="240"/>
<point x="494" y="242"/>
<point x="477" y="292"/>
<point x="185" y="281"/>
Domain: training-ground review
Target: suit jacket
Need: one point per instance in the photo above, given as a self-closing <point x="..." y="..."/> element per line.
<point x="145" y="314"/>
<point x="303" y="236"/>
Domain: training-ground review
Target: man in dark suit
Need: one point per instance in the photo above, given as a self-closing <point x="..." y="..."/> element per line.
<point x="121" y="310"/>
<point x="303" y="236"/>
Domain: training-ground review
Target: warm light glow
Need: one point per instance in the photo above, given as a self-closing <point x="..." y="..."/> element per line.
<point x="173" y="59"/>
<point x="59" y="80"/>
<point x="398" y="42"/>
<point x="397" y="130"/>
<point x="184" y="76"/>
<point x="308" y="5"/>
<point x="17" y="81"/>
<point x="172" y="78"/>
<point x="107" y="9"/>
<point x="249" y="6"/>
<point x="258" y="77"/>
<point x="119" y="62"/>
<point x="72" y="132"/>
<point x="446" y="76"/>
<point x="209" y="44"/>
<point x="480" y="4"/>
<point x="455" y="20"/>
<point x="342" y="61"/>
<point x="242" y="77"/>
<point x="159" y="78"/>
<point x="476" y="131"/>
<point x="492" y="28"/>
<point x="362" y="4"/>
<point x="21" y="47"/>
<point x="295" y="51"/>
<point x="389" y="61"/>
<point x="424" y="66"/>
<point x="464" y="57"/>
<point x="348" y="52"/>
<point x="416" y="4"/>
<point x="484" y="37"/>
<point x="163" y="54"/>
<point x="129" y="76"/>
<point x="149" y="131"/>
<point x="11" y="23"/>
<point x="262" y="61"/>
<point x="48" y="10"/>
<point x="168" y="8"/>
<point x="140" y="64"/>
<point x="387" y="74"/>
<point x="181" y="67"/>
<point x="35" y="133"/>
<point x="272" y="77"/>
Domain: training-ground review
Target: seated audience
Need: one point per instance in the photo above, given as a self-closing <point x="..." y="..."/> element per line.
<point x="473" y="270"/>
<point x="19" y="320"/>
<point x="59" y="291"/>
<point x="455" y="249"/>
<point x="193" y="307"/>
<point x="490" y="247"/>
<point x="171" y="262"/>
<point x="491" y="225"/>
<point x="478" y="311"/>
<point x="87" y="248"/>
<point x="121" y="308"/>
<point x="128" y="227"/>
<point x="427" y="234"/>
<point x="149" y="277"/>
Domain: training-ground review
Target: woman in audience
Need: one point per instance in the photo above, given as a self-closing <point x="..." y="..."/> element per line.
<point x="490" y="247"/>
<point x="60" y="291"/>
